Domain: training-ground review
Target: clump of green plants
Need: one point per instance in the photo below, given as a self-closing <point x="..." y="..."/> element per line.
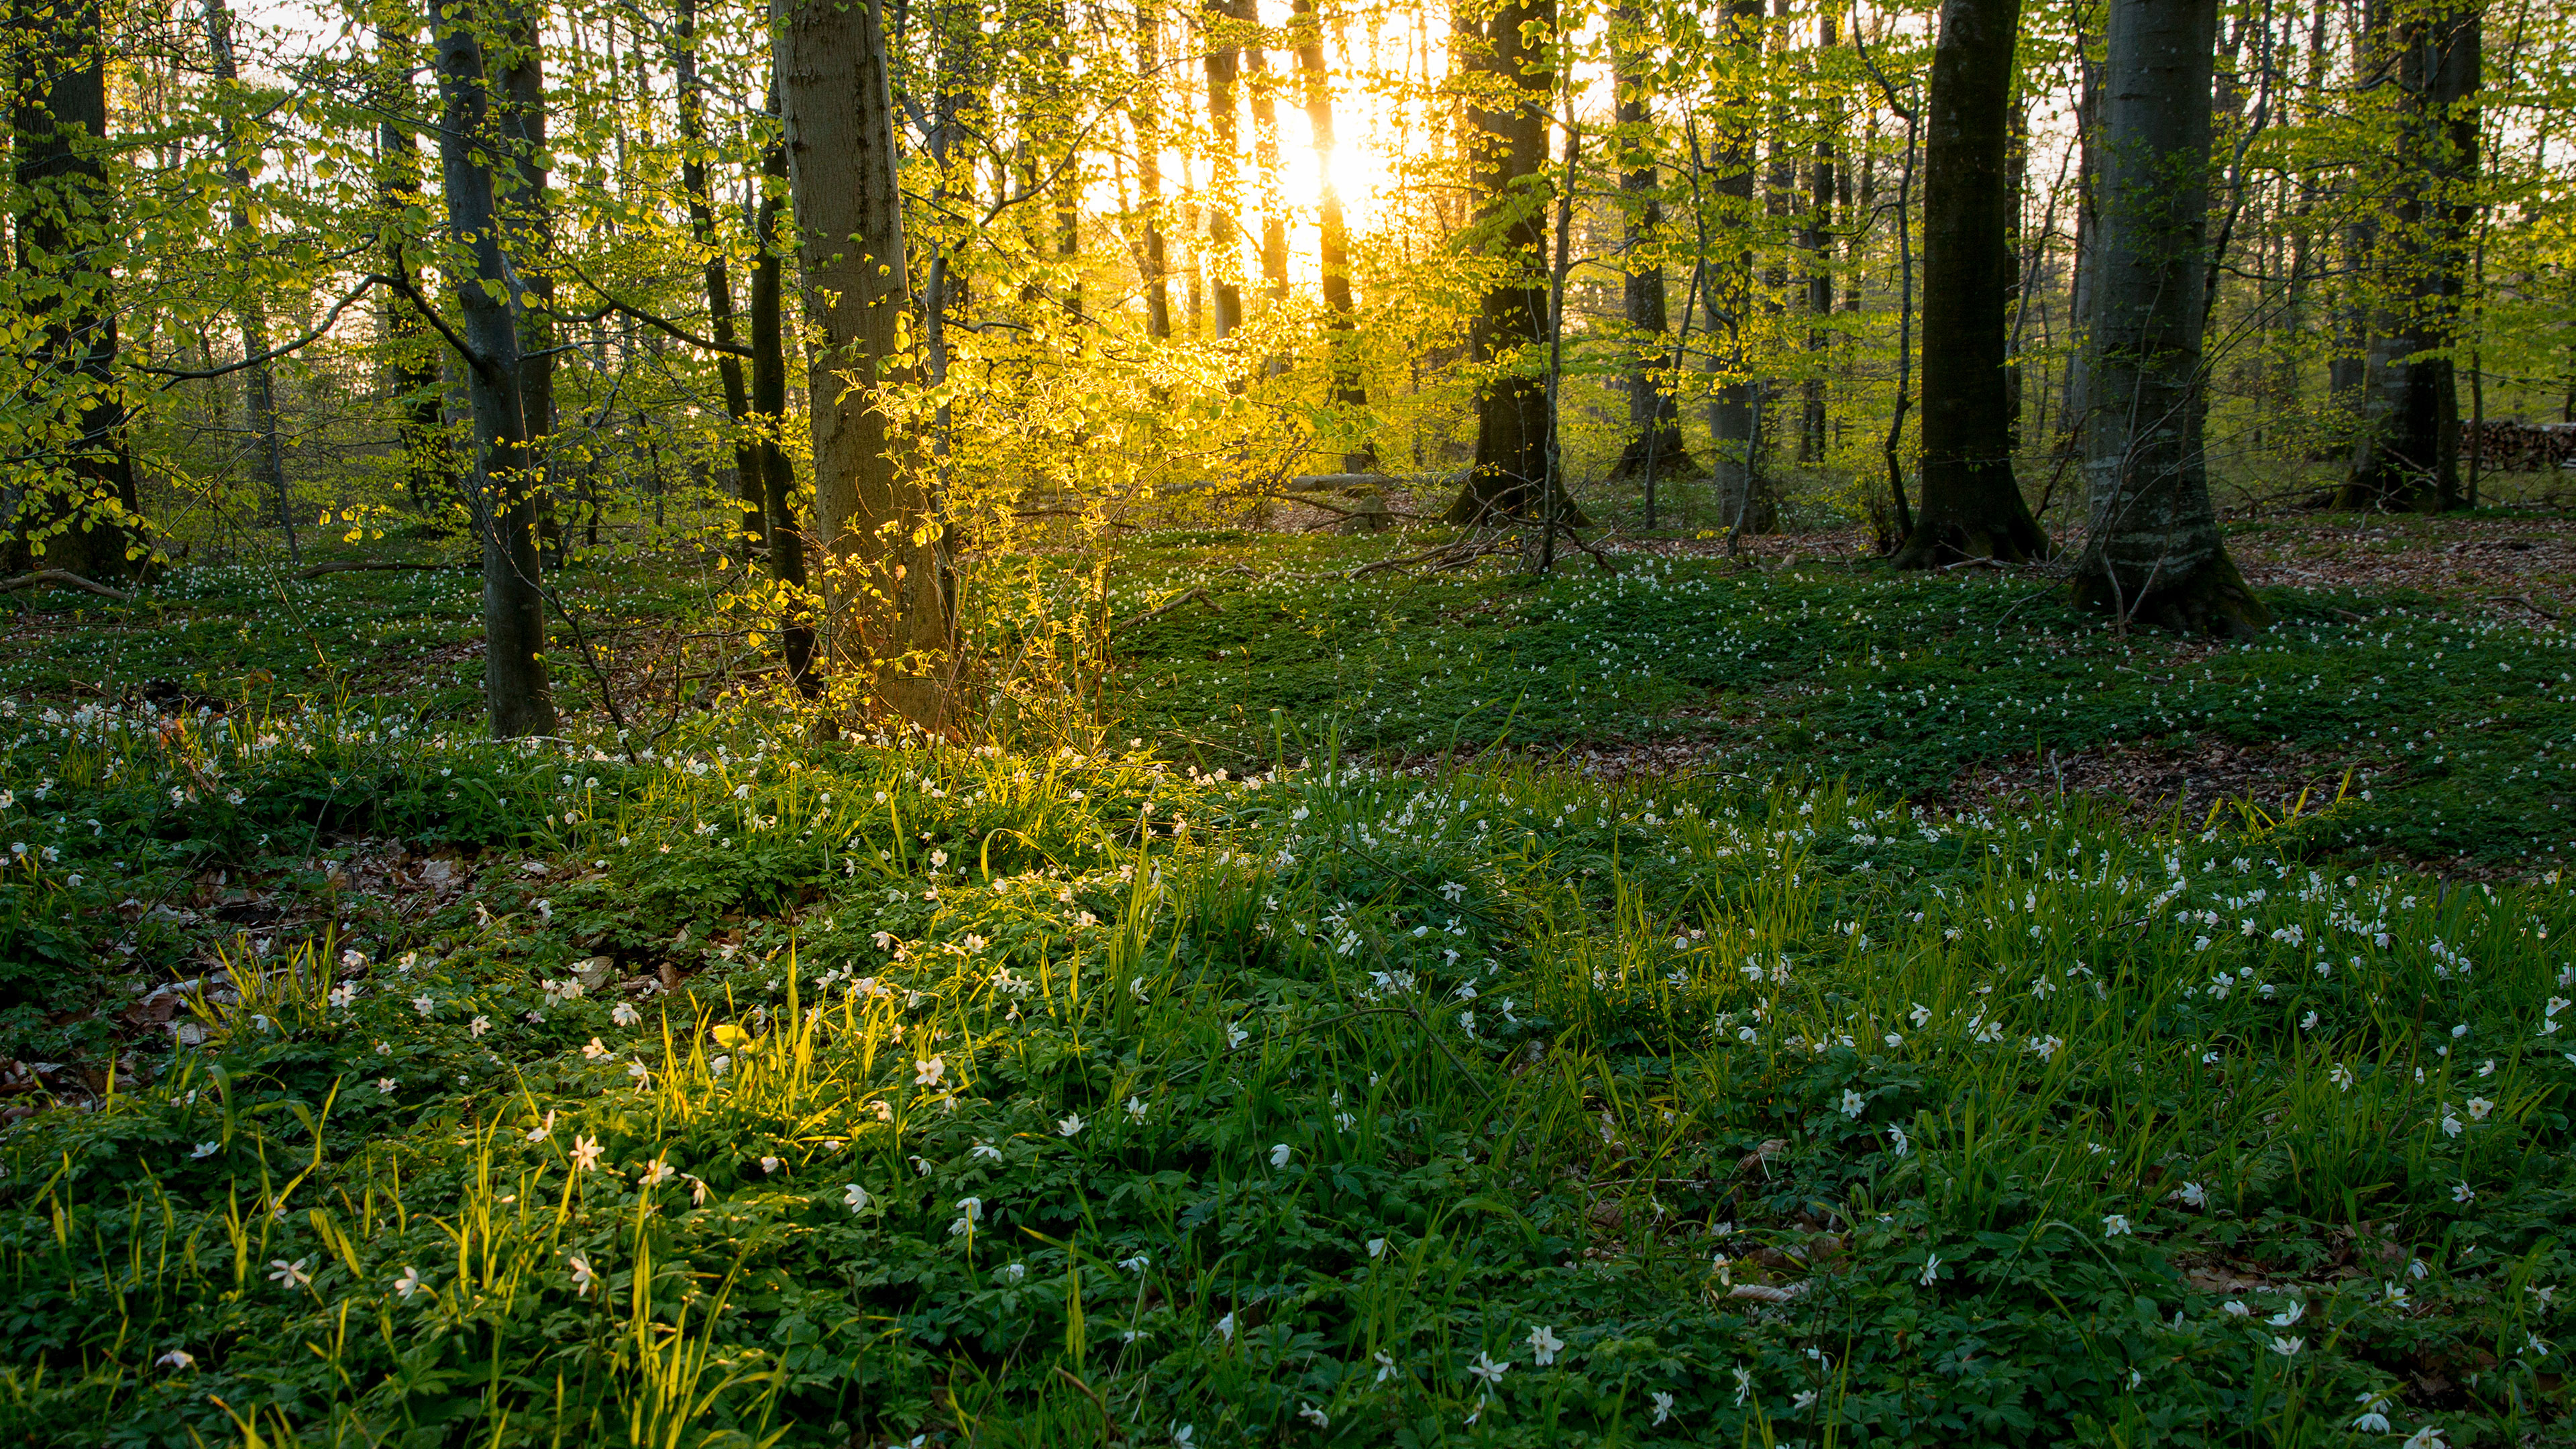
<point x="2449" y="727"/>
<point x="764" y="1091"/>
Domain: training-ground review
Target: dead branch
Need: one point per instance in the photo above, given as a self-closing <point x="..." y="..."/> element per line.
<point x="62" y="578"/>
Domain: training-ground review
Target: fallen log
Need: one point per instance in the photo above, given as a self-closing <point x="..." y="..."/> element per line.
<point x="315" y="571"/>
<point x="62" y="578"/>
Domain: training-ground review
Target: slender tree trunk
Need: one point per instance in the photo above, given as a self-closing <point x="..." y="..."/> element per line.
<point x="1818" y="241"/>
<point x="719" y="286"/>
<point x="516" y="693"/>
<point x="1655" y="447"/>
<point x="1334" y="241"/>
<point x="2075" y="407"/>
<point x="2408" y="453"/>
<point x="2155" y="555"/>
<point x="1225" y="239"/>
<point x="1262" y="89"/>
<point x="1780" y="206"/>
<point x="529" y="215"/>
<point x="259" y="381"/>
<point x="1970" y="504"/>
<point x="82" y="513"/>
<point x="887" y="573"/>
<point x="1148" y="120"/>
<point x="1508" y="121"/>
<point x="768" y="422"/>
<point x="411" y="369"/>
<point x="1744" y="498"/>
<point x="2348" y="368"/>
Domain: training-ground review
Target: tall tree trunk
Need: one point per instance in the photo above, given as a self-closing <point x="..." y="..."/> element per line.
<point x="777" y="475"/>
<point x="1515" y="430"/>
<point x="411" y="367"/>
<point x="1818" y="241"/>
<point x="1780" y="206"/>
<point x="1262" y="90"/>
<point x="719" y="286"/>
<point x="887" y="575"/>
<point x="2347" y="369"/>
<point x="259" y="380"/>
<point x="1334" y="240"/>
<point x="517" y="696"/>
<point x="81" y="512"/>
<point x="1745" y="500"/>
<point x="1225" y="240"/>
<point x="2408" y="454"/>
<point x="2075" y="407"/>
<point x="1655" y="447"/>
<point x="1147" y="118"/>
<point x="1970" y="504"/>
<point x="529" y="215"/>
<point x="2155" y="555"/>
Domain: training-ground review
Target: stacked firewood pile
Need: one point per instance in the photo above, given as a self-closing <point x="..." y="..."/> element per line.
<point x="2506" y="447"/>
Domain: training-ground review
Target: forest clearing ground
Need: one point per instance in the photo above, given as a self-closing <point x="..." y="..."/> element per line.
<point x="1330" y="1099"/>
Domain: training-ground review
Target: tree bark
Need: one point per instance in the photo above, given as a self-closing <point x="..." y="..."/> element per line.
<point x="1333" y="243"/>
<point x="1225" y="239"/>
<point x="1654" y="448"/>
<point x="259" y="380"/>
<point x="411" y="367"/>
<point x="887" y="576"/>
<point x="777" y="475"/>
<point x="1818" y="241"/>
<point x="517" y="695"/>
<point x="2155" y="555"/>
<point x="1969" y="503"/>
<point x="1148" y="121"/>
<point x="2408" y="452"/>
<point x="80" y="513"/>
<point x="1507" y="129"/>
<point x="719" y="286"/>
<point x="529" y="215"/>
<point x="1264" y="98"/>
<point x="1744" y="498"/>
<point x="2347" y="370"/>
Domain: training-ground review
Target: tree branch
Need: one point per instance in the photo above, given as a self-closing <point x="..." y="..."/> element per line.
<point x="178" y="375"/>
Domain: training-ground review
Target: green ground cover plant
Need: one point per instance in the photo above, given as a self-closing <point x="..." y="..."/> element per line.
<point x="1270" y="1080"/>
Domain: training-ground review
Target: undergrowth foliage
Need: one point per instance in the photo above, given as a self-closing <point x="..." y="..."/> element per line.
<point x="762" y="1091"/>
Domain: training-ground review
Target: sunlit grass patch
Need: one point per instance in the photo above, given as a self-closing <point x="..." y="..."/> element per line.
<point x="835" y="1091"/>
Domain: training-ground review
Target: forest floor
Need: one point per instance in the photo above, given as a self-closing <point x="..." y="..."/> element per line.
<point x="1717" y="1000"/>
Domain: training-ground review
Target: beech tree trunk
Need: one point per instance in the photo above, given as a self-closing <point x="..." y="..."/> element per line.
<point x="1148" y="120"/>
<point x="259" y="380"/>
<point x="1225" y="238"/>
<point x="2155" y="555"/>
<point x="1818" y="241"/>
<point x="2408" y="453"/>
<point x="1745" y="501"/>
<point x="1969" y="503"/>
<point x="1655" y="448"/>
<point x="81" y="513"/>
<point x="517" y="695"/>
<point x="786" y="532"/>
<point x="719" y="286"/>
<point x="887" y="577"/>
<point x="411" y="372"/>
<point x="529" y="215"/>
<point x="1263" y="95"/>
<point x="1333" y="243"/>
<point x="1507" y="129"/>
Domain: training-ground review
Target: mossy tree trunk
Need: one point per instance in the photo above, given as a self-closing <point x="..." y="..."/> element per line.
<point x="1969" y="503"/>
<point x="2155" y="555"/>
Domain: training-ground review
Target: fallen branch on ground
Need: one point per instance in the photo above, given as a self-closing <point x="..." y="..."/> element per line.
<point x="1165" y="607"/>
<point x="62" y="578"/>
<point x="374" y="566"/>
